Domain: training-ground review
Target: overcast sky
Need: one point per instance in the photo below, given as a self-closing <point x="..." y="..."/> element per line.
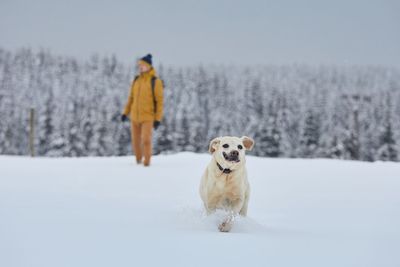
<point x="209" y="31"/>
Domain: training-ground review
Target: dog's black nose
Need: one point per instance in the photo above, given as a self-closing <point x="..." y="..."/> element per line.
<point x="234" y="153"/>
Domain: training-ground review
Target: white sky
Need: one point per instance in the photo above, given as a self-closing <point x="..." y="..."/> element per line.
<point x="209" y="31"/>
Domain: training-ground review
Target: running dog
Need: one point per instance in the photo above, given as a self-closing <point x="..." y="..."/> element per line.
<point x="224" y="184"/>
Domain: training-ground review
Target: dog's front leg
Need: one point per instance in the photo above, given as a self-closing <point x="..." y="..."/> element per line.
<point x="243" y="211"/>
<point x="227" y="224"/>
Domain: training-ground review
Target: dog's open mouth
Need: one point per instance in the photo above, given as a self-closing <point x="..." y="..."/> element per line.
<point x="230" y="157"/>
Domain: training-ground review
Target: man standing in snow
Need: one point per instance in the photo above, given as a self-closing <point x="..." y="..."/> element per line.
<point x="144" y="108"/>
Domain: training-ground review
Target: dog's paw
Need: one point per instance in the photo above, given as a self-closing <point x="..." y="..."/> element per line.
<point x="225" y="227"/>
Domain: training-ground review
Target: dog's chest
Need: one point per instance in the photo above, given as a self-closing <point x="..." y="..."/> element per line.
<point x="228" y="185"/>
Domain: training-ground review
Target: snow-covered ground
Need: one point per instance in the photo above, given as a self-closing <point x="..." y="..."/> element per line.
<point x="111" y="212"/>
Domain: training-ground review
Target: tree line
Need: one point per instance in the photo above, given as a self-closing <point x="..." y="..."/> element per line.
<point x="344" y="112"/>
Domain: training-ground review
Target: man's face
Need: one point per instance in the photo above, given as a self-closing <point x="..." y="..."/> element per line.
<point x="143" y="67"/>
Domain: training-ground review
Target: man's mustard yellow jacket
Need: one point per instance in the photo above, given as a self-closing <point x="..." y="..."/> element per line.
<point x="140" y="106"/>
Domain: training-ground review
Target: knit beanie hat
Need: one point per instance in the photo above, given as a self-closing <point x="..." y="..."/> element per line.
<point x="148" y="59"/>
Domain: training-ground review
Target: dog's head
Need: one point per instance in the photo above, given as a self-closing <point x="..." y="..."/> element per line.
<point x="230" y="150"/>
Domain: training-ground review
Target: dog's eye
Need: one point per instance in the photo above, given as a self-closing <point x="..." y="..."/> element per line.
<point x="225" y="146"/>
<point x="240" y="146"/>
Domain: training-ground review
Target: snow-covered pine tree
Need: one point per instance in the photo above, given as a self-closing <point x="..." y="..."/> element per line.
<point x="387" y="144"/>
<point x="268" y="139"/>
<point x="388" y="148"/>
<point x="309" y="142"/>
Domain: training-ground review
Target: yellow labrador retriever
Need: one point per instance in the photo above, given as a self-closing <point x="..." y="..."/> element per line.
<point x="224" y="184"/>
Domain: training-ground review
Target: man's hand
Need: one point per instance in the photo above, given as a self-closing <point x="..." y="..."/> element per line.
<point x="124" y="117"/>
<point x="156" y="124"/>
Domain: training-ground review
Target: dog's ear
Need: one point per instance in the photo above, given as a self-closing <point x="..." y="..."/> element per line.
<point x="247" y="142"/>
<point x="213" y="145"/>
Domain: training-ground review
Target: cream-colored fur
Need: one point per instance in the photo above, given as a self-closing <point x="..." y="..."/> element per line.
<point x="226" y="191"/>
